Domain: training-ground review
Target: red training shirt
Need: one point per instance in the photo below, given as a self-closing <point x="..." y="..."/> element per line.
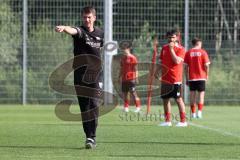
<point x="128" y="67"/>
<point x="196" y="60"/>
<point x="172" y="72"/>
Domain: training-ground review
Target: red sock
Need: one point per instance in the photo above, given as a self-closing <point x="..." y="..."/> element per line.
<point x="138" y="102"/>
<point x="193" y="108"/>
<point x="126" y="103"/>
<point x="182" y="116"/>
<point x="200" y="107"/>
<point x="167" y="116"/>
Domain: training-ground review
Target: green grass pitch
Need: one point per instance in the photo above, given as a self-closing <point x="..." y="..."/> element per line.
<point x="35" y="133"/>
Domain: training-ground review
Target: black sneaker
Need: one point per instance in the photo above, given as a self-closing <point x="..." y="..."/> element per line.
<point x="90" y="143"/>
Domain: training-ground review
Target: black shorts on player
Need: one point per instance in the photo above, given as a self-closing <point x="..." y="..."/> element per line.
<point x="197" y="86"/>
<point x="129" y="86"/>
<point x="171" y="91"/>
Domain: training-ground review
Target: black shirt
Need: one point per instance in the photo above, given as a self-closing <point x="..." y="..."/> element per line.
<point x="88" y="43"/>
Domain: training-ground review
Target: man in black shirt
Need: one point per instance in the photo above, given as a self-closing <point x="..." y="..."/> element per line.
<point x="87" y="41"/>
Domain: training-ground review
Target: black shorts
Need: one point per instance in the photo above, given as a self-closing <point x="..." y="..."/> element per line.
<point x="197" y="86"/>
<point x="129" y="86"/>
<point x="171" y="91"/>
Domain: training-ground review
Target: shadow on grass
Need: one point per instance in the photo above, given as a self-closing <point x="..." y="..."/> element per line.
<point x="174" y="143"/>
<point x="42" y="147"/>
<point x="147" y="156"/>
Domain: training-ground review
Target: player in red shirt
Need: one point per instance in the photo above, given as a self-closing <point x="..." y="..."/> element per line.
<point x="128" y="76"/>
<point x="171" y="58"/>
<point x="197" y="71"/>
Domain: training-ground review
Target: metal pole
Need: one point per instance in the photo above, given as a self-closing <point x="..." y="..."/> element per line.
<point x="25" y="21"/>
<point x="108" y="20"/>
<point x="107" y="55"/>
<point x="186" y="35"/>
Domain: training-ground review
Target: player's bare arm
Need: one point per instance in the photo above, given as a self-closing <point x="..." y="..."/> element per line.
<point x="67" y="29"/>
<point x="176" y="59"/>
<point x="136" y="69"/>
<point x="155" y="44"/>
<point x="186" y="73"/>
<point x="207" y="69"/>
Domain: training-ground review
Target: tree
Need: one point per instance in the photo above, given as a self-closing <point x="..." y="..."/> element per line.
<point x="143" y="44"/>
<point x="46" y="50"/>
<point x="10" y="32"/>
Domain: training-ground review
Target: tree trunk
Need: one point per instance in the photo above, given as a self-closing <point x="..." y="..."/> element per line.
<point x="218" y="27"/>
<point x="230" y="43"/>
<point x="236" y="23"/>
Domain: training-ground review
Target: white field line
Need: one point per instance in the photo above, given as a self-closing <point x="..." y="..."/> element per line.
<point x="222" y="132"/>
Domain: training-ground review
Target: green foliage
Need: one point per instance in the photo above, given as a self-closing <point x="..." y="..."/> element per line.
<point x="47" y="50"/>
<point x="143" y="44"/>
<point x="223" y="81"/>
<point x="10" y="29"/>
<point x="135" y="20"/>
<point x="10" y="77"/>
<point x="11" y="91"/>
